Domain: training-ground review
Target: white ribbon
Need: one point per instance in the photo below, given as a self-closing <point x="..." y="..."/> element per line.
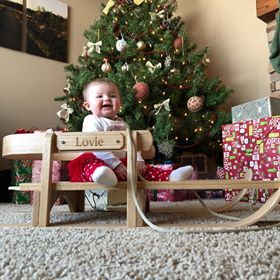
<point x="164" y="104"/>
<point x="159" y="14"/>
<point x="94" y="46"/>
<point x="65" y="112"/>
<point x="152" y="67"/>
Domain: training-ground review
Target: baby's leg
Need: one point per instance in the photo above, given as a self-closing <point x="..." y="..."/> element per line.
<point x="181" y="174"/>
<point x="104" y="175"/>
<point x="99" y="173"/>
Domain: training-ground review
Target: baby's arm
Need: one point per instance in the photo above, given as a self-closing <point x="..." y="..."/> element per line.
<point x="141" y="165"/>
<point x="121" y="171"/>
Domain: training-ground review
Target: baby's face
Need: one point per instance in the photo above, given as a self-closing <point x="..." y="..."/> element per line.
<point x="103" y="100"/>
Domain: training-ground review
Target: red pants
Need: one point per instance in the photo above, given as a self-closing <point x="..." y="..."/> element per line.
<point x="81" y="169"/>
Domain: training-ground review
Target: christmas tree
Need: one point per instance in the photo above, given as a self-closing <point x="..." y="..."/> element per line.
<point x="143" y="48"/>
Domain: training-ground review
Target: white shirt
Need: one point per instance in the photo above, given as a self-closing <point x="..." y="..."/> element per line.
<point x="94" y="123"/>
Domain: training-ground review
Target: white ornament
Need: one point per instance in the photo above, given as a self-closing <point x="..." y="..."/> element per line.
<point x="125" y="67"/>
<point x="106" y="67"/>
<point x="121" y="45"/>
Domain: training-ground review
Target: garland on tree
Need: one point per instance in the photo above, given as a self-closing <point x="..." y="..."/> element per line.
<point x="145" y="50"/>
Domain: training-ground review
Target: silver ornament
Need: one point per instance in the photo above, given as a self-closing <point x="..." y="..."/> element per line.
<point x="121" y="45"/>
<point x="125" y="67"/>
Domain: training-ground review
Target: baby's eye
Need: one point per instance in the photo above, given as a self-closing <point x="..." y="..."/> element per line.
<point x="113" y="96"/>
<point x="99" y="96"/>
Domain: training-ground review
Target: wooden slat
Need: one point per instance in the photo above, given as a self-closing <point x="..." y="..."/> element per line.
<point x="73" y="141"/>
<point x="185" y="185"/>
<point x="211" y="185"/>
<point x="68" y="186"/>
<point x="23" y="146"/>
<point x="144" y="143"/>
<point x="46" y="194"/>
<point x="30" y="145"/>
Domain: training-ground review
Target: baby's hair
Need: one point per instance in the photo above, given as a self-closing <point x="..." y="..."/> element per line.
<point x="97" y="81"/>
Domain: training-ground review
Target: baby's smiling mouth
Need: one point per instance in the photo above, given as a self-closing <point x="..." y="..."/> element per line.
<point x="107" y="106"/>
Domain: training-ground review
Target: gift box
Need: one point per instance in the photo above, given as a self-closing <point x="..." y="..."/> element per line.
<point x="253" y="144"/>
<point x="27" y="171"/>
<point x="56" y="176"/>
<point x="252" y="196"/>
<point x="256" y="109"/>
<point x="21" y="173"/>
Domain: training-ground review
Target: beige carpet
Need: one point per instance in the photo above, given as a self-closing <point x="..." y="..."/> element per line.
<point x="108" y="253"/>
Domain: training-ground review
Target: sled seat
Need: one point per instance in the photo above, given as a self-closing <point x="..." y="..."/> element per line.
<point x="66" y="146"/>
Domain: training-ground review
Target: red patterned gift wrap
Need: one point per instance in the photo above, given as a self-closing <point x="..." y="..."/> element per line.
<point x="252" y="144"/>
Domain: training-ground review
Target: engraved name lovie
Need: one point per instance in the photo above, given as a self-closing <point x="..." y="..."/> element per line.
<point x="89" y="142"/>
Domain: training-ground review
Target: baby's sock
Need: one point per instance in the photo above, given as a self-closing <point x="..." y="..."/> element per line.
<point x="104" y="175"/>
<point x="181" y="173"/>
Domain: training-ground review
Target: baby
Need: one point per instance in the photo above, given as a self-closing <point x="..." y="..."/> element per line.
<point x="102" y="99"/>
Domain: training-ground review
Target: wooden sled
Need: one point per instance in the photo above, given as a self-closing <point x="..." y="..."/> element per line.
<point x="52" y="146"/>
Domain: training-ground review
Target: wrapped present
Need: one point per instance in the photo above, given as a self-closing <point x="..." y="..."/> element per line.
<point x="252" y="196"/>
<point x="252" y="144"/>
<point x="56" y="176"/>
<point x="256" y="109"/>
<point x="21" y="173"/>
<point x="27" y="171"/>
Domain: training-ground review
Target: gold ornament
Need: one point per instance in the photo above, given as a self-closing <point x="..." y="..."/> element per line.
<point x="141" y="45"/>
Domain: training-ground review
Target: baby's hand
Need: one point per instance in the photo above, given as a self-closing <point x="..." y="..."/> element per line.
<point x="121" y="171"/>
<point x="141" y="167"/>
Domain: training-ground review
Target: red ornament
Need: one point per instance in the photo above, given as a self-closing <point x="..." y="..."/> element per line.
<point x="141" y="90"/>
<point x="178" y="42"/>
